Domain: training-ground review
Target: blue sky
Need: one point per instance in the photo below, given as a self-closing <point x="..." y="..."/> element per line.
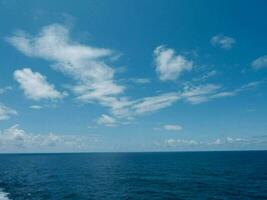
<point x="132" y="76"/>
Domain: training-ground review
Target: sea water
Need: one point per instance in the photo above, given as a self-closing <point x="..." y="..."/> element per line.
<point x="177" y="175"/>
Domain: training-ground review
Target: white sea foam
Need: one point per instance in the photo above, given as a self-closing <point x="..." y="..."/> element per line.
<point x="3" y="195"/>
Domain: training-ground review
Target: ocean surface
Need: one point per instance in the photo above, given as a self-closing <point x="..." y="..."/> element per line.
<point x="115" y="176"/>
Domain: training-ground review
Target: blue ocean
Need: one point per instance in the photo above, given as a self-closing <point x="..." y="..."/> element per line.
<point x="168" y="175"/>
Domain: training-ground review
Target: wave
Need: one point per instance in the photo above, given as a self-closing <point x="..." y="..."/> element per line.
<point x="3" y="195"/>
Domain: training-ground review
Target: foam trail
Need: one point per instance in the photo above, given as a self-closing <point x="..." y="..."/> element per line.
<point x="3" y="195"/>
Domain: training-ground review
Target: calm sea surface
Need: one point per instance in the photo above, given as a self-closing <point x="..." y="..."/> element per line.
<point x="183" y="175"/>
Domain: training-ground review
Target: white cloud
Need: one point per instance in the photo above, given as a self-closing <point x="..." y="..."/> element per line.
<point x="86" y="64"/>
<point x="95" y="78"/>
<point x="15" y="139"/>
<point x="231" y="140"/>
<point x="172" y="127"/>
<point x="205" y="76"/>
<point x="199" y="94"/>
<point x="123" y="108"/>
<point x="35" y="85"/>
<point x="36" y="107"/>
<point x="222" y="41"/>
<point x="169" y="66"/>
<point x="6" y="112"/>
<point x="217" y="141"/>
<point x="53" y="43"/>
<point x="250" y="85"/>
<point x="259" y="63"/>
<point x="96" y="91"/>
<point x="107" y="120"/>
<point x="5" y="89"/>
<point x="196" y="94"/>
<point x="223" y="94"/>
<point x="14" y="135"/>
<point x="140" y="80"/>
<point x="235" y="140"/>
<point x="226" y="141"/>
<point x="126" y="109"/>
<point x="178" y="142"/>
<point x="151" y="104"/>
<point x="171" y="142"/>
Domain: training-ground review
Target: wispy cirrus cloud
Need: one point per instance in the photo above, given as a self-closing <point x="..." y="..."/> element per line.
<point x="36" y="107"/>
<point x="173" y="127"/>
<point x="196" y="94"/>
<point x="205" y="76"/>
<point x="140" y="80"/>
<point x="129" y="109"/>
<point x="169" y="127"/>
<point x="169" y="65"/>
<point x="6" y="112"/>
<point x="154" y="103"/>
<point x="125" y="109"/>
<point x="259" y="63"/>
<point x="200" y="93"/>
<point x="35" y="85"/>
<point x="107" y="120"/>
<point x="222" y="41"/>
<point x="5" y="89"/>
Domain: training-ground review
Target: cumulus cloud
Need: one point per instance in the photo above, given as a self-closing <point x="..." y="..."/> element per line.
<point x="35" y="85"/>
<point x="259" y="63"/>
<point x="6" y="112"/>
<point x="15" y="139"/>
<point x="170" y="66"/>
<point x="85" y="64"/>
<point x="222" y="41"/>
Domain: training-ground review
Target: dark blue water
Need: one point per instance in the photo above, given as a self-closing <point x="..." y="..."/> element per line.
<point x="187" y="175"/>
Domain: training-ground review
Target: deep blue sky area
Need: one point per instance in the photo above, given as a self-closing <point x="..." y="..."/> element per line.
<point x="132" y="75"/>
